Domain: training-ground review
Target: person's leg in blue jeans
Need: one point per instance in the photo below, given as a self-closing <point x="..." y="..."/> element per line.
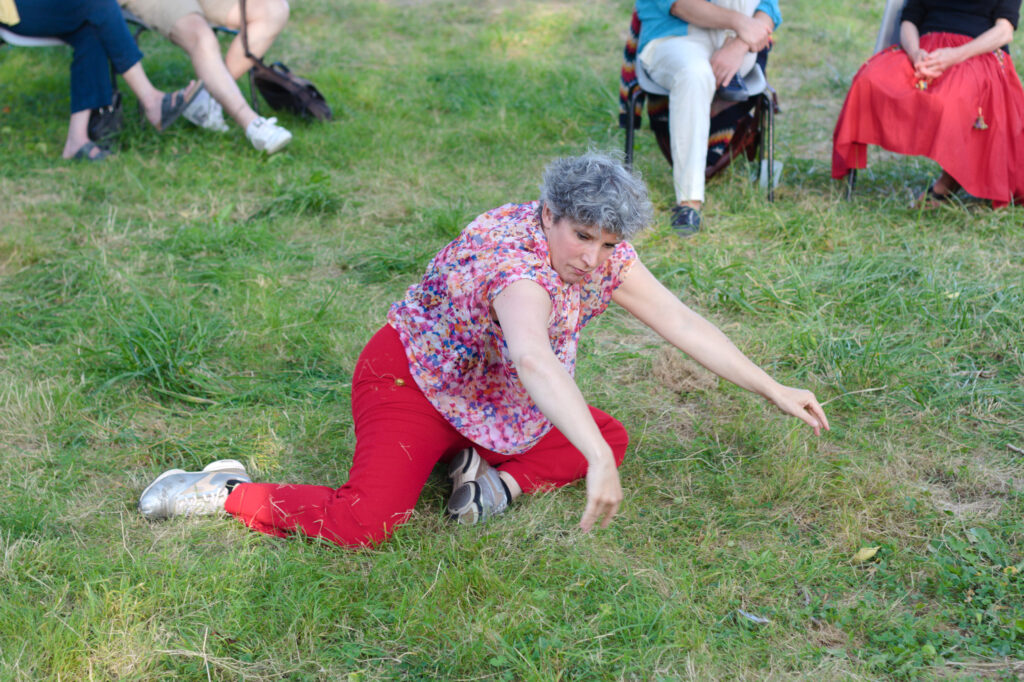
<point x="96" y="31"/>
<point x="91" y="87"/>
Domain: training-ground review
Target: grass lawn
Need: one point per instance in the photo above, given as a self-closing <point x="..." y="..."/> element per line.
<point x="192" y="300"/>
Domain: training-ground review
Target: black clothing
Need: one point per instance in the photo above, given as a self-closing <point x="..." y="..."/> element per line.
<point x="966" y="18"/>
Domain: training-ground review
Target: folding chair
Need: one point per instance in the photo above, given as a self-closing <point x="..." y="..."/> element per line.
<point x="11" y="38"/>
<point x="638" y="86"/>
<point x="888" y="34"/>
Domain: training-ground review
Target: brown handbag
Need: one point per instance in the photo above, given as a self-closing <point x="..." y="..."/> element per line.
<point x="282" y="89"/>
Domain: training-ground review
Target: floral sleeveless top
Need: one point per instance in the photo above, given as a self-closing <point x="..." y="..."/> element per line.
<point x="456" y="350"/>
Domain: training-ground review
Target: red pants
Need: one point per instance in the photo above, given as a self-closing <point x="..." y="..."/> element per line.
<point x="400" y="437"/>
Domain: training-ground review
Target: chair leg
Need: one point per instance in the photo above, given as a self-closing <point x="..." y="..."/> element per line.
<point x="252" y="92"/>
<point x="851" y="181"/>
<point x="766" y="147"/>
<point x="759" y="117"/>
<point x="631" y="125"/>
<point x="770" y="135"/>
<point x="113" y="77"/>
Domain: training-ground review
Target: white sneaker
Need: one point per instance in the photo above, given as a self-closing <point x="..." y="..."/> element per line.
<point x="206" y="112"/>
<point x="266" y="135"/>
<point x="178" y="492"/>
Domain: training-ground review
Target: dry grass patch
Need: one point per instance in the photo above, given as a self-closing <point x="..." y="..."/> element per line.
<point x="28" y="407"/>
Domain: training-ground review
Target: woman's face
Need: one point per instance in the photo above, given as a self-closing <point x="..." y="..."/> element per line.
<point x="575" y="250"/>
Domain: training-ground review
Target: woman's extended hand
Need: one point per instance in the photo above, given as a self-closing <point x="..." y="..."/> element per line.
<point x="803" y="405"/>
<point x="604" y="493"/>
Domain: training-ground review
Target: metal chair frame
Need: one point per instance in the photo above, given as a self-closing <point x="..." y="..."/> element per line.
<point x="888" y="34"/>
<point x="11" y="38"/>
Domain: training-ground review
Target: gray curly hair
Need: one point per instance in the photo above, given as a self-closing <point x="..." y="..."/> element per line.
<point x="595" y="190"/>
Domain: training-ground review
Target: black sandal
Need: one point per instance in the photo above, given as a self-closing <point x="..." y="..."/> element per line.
<point x="931" y="198"/>
<point x="84" y="153"/>
<point x="173" y="104"/>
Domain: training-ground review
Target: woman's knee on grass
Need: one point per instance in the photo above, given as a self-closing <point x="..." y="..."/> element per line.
<point x="614" y="434"/>
<point x="375" y="529"/>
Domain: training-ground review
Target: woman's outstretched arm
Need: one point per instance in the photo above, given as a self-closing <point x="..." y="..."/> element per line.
<point x="657" y="307"/>
<point x="523" y="309"/>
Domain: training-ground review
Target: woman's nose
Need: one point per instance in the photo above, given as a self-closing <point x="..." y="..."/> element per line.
<point x="589" y="257"/>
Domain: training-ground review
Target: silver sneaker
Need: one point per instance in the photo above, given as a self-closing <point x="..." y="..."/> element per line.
<point x="184" y="493"/>
<point x="206" y="112"/>
<point x="478" y="492"/>
<point x="266" y="135"/>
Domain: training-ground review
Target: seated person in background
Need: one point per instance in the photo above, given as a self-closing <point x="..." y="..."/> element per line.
<point x="689" y="47"/>
<point x="948" y="92"/>
<point x="96" y="32"/>
<point x="187" y="24"/>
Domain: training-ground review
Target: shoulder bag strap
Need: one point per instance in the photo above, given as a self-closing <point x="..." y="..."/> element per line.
<point x="245" y="37"/>
<point x="250" y="55"/>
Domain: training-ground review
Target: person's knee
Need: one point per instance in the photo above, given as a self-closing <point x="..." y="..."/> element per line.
<point x="194" y="35"/>
<point x="278" y="12"/>
<point x="619" y="450"/>
<point x="693" y="76"/>
<point x="378" y="528"/>
<point x="273" y="14"/>
<point x="617" y="437"/>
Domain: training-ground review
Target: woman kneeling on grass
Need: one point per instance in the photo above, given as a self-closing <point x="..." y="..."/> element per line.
<point x="475" y="368"/>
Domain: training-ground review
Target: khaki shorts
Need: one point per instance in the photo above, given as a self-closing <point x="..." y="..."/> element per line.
<point x="163" y="14"/>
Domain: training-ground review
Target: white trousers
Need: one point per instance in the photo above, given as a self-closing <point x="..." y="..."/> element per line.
<point x="682" y="65"/>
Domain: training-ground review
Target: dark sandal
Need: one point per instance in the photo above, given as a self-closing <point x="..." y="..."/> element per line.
<point x="932" y="198"/>
<point x="173" y="105"/>
<point x="84" y="153"/>
<point x="685" y="220"/>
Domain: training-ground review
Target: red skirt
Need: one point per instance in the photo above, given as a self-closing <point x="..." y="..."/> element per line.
<point x="970" y="120"/>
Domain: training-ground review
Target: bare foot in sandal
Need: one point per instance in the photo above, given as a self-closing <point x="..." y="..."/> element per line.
<point x="162" y="109"/>
<point x="942" y="190"/>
